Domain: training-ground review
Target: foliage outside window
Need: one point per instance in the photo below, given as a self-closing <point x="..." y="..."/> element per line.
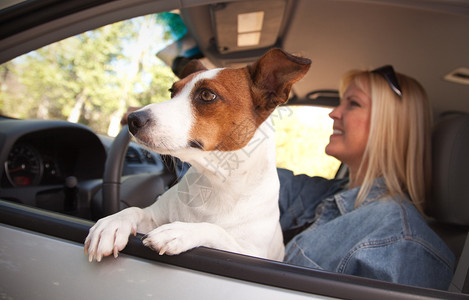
<point x="93" y="77"/>
<point x="302" y="133"/>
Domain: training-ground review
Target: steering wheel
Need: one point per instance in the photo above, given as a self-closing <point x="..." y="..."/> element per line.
<point x="113" y="170"/>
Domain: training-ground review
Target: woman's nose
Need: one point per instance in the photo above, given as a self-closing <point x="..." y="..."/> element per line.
<point x="335" y="113"/>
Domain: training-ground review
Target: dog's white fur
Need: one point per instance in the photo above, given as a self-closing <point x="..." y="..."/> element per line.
<point x="228" y="201"/>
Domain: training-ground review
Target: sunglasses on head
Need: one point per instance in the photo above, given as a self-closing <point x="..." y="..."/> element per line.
<point x="388" y="73"/>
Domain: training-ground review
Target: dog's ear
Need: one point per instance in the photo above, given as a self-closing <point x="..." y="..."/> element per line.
<point x="275" y="73"/>
<point x="191" y="67"/>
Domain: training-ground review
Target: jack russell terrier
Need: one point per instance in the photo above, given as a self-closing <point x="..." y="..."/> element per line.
<point x="217" y="120"/>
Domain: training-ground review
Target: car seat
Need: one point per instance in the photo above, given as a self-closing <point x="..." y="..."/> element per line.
<point x="448" y="205"/>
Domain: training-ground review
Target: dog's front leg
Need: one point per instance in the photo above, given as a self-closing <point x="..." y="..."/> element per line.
<point x="111" y="234"/>
<point x="177" y="237"/>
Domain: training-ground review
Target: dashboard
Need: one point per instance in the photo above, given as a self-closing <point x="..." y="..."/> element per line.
<point x="41" y="153"/>
<point x="58" y="166"/>
<point x="48" y="157"/>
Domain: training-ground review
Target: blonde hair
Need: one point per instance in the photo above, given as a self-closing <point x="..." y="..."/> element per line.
<point x="399" y="145"/>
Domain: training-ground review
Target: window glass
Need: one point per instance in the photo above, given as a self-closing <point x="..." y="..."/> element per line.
<point x="92" y="78"/>
<point x="302" y="133"/>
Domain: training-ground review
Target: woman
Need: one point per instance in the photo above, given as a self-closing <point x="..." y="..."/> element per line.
<point x="370" y="224"/>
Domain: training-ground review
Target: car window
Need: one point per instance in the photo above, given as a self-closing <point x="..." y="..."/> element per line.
<point x="92" y="78"/>
<point x="302" y="133"/>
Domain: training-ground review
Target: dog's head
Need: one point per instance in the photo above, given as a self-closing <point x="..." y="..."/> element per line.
<point x="218" y="109"/>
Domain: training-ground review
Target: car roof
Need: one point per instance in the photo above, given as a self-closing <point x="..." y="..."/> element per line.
<point x="424" y="39"/>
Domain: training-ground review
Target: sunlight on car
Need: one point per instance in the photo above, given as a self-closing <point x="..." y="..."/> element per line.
<point x="302" y="133"/>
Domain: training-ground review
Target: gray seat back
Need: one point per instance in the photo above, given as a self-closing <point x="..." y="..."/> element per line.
<point x="449" y="202"/>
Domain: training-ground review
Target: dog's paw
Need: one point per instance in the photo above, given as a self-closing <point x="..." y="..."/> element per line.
<point x="110" y="235"/>
<point x="173" y="238"/>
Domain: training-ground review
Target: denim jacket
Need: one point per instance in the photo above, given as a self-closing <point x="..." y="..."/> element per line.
<point x="383" y="238"/>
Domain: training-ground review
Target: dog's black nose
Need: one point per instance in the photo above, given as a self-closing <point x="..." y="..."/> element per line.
<point x="137" y="120"/>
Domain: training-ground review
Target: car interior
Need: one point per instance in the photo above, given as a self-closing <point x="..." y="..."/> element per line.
<point x="111" y="174"/>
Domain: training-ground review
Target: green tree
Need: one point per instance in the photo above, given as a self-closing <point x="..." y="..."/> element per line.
<point x="90" y="78"/>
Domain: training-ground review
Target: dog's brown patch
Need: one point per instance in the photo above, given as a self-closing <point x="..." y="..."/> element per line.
<point x="230" y="107"/>
<point x="229" y="121"/>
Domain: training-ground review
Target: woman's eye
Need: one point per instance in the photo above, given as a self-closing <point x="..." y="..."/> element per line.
<point x="353" y="102"/>
<point x="207" y="95"/>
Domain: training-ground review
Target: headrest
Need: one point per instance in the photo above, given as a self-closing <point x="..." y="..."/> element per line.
<point x="449" y="201"/>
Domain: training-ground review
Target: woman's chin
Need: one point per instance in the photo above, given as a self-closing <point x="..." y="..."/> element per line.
<point x="332" y="150"/>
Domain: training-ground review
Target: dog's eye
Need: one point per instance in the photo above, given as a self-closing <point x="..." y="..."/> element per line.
<point x="207" y="95"/>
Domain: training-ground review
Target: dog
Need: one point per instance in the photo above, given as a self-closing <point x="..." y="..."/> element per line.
<point x="218" y="121"/>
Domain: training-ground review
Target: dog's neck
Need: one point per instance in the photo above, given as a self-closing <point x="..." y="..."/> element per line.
<point x="240" y="166"/>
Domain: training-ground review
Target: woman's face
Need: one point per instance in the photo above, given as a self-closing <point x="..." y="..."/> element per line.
<point x="351" y="127"/>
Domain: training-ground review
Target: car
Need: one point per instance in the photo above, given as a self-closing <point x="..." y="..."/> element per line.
<point x="58" y="177"/>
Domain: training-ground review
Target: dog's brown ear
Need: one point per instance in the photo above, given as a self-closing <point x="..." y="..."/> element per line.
<point x="275" y="73"/>
<point x="191" y="67"/>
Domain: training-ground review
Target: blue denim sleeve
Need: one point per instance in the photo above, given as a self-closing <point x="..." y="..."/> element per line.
<point x="299" y="197"/>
